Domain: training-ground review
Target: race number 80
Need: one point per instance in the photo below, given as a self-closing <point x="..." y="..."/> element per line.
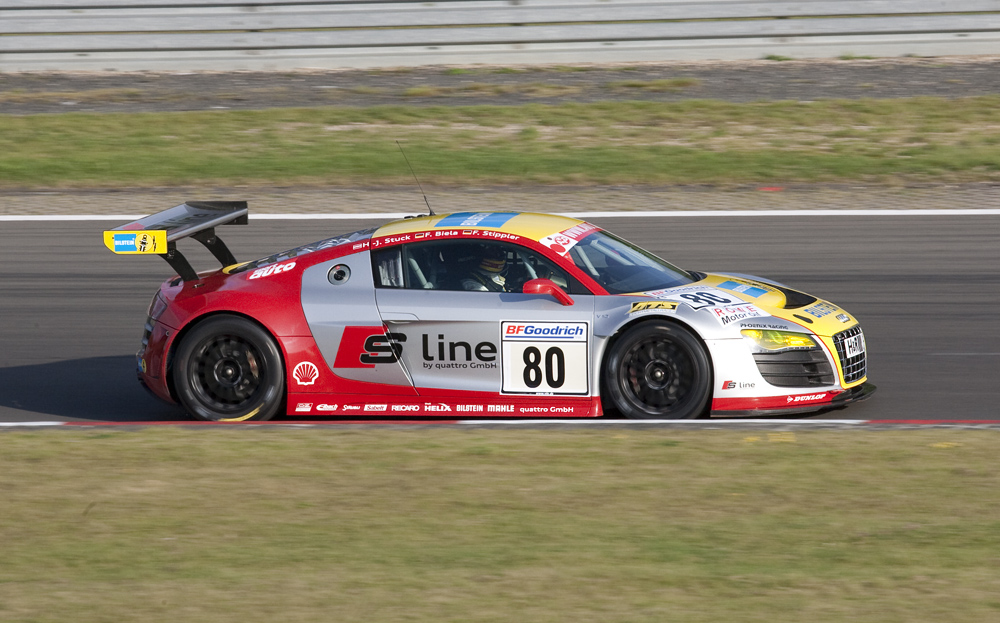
<point x="555" y="367"/>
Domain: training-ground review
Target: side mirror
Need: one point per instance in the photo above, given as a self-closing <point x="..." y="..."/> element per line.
<point x="546" y="286"/>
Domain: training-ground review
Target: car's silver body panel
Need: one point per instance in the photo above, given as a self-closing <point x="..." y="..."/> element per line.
<point x="454" y="340"/>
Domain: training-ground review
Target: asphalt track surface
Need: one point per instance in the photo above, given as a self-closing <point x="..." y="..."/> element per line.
<point x="925" y="288"/>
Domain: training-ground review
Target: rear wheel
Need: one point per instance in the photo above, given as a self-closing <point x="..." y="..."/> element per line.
<point x="658" y="370"/>
<point x="229" y="369"/>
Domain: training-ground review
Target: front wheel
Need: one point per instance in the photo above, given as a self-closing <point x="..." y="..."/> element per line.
<point x="229" y="369"/>
<point x="658" y="369"/>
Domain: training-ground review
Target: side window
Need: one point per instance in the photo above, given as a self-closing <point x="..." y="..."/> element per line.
<point x="387" y="268"/>
<point x="467" y="265"/>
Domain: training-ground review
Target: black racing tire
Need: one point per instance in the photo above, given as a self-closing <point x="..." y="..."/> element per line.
<point x="229" y="369"/>
<point x="658" y="370"/>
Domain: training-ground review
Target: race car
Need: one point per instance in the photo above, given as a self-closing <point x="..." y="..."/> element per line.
<point x="478" y="315"/>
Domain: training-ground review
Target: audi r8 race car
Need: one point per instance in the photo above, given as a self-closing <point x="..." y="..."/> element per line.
<point x="478" y="314"/>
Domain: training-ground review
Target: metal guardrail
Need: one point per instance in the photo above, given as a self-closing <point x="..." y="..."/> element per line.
<point x="286" y="34"/>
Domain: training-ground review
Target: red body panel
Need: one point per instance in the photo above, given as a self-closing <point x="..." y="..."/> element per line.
<point x="791" y="402"/>
<point x="274" y="301"/>
<point x="443" y="404"/>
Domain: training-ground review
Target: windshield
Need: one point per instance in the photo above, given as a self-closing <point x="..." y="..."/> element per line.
<point x="621" y="267"/>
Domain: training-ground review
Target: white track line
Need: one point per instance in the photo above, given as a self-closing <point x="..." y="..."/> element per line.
<point x="580" y="215"/>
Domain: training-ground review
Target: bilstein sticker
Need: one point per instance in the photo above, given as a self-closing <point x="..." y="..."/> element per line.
<point x="129" y="242"/>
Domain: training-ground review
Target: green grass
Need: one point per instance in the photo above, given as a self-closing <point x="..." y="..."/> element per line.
<point x="694" y="141"/>
<point x="341" y="524"/>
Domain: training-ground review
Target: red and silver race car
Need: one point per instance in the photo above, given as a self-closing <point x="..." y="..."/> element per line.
<point x="474" y="315"/>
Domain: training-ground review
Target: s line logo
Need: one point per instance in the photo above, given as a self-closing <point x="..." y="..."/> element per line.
<point x="364" y="347"/>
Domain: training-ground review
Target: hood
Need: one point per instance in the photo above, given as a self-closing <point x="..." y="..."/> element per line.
<point x="737" y="300"/>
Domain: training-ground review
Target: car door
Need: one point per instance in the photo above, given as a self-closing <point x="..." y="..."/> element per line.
<point x="486" y="339"/>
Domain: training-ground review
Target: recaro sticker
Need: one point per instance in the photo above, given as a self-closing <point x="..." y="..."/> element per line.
<point x="545" y="358"/>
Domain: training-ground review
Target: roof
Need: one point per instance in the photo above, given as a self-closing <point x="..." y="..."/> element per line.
<point x="527" y="224"/>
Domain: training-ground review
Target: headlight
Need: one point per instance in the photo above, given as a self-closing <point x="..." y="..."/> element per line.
<point x="773" y="341"/>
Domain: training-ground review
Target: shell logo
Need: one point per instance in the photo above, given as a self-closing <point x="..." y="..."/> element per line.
<point x="305" y="373"/>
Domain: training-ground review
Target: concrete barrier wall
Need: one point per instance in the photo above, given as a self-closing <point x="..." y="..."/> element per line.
<point x="131" y="35"/>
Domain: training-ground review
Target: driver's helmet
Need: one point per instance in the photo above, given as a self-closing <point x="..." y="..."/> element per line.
<point x="494" y="260"/>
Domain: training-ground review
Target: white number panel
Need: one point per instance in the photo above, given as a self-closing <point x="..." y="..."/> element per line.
<point x="545" y="357"/>
<point x="855" y="346"/>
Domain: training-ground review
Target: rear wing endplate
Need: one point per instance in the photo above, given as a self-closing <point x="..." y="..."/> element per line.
<point x="158" y="233"/>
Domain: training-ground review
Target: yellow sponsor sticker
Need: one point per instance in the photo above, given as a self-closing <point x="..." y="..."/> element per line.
<point x="647" y="305"/>
<point x="129" y="242"/>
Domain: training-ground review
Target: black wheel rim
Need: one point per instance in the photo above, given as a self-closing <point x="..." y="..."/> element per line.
<point x="227" y="373"/>
<point x="657" y="374"/>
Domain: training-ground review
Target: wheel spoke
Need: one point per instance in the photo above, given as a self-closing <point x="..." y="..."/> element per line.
<point x="659" y="375"/>
<point x="227" y="373"/>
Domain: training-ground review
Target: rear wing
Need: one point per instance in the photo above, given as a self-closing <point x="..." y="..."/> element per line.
<point x="158" y="233"/>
